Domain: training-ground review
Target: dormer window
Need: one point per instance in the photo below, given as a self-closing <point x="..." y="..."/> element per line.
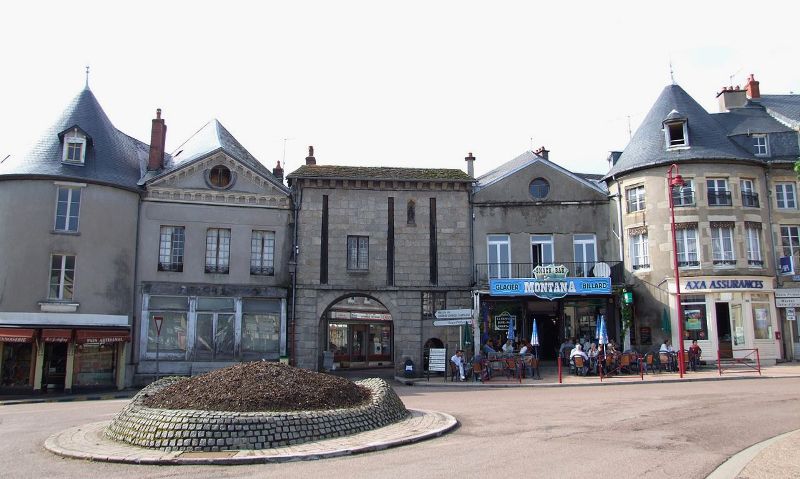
<point x="74" y="147"/>
<point x="760" y="145"/>
<point x="676" y="131"/>
<point x="220" y="177"/>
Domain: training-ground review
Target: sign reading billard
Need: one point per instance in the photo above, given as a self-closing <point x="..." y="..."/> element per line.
<point x="549" y="288"/>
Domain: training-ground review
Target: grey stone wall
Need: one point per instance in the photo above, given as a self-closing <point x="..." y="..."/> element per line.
<point x="195" y="430"/>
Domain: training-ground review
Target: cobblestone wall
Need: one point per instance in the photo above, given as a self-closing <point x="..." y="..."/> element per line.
<point x="194" y="430"/>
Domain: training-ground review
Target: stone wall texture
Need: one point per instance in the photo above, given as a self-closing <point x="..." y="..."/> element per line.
<point x="194" y="430"/>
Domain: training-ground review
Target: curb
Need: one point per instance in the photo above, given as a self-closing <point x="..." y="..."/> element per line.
<point x="736" y="463"/>
<point x="99" y="397"/>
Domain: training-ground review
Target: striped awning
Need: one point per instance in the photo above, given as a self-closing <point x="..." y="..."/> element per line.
<point x="16" y="335"/>
<point x="56" y="335"/>
<point x="102" y="336"/>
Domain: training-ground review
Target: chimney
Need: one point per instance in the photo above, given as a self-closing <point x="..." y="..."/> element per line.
<point x="752" y="87"/>
<point x="310" y="160"/>
<point x="731" y="97"/>
<point x="470" y="165"/>
<point x="158" y="138"/>
<point x="277" y="172"/>
<point x="543" y="153"/>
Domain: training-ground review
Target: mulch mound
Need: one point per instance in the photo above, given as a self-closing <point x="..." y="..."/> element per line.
<point x="260" y="386"/>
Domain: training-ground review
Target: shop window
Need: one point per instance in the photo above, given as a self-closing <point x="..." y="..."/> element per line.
<point x="762" y="325"/>
<point x="68" y="204"/>
<point x="433" y="301"/>
<point x="170" y="251"/>
<point x="174" y="311"/>
<point x="261" y="320"/>
<point x="95" y="365"/>
<point x="695" y="321"/>
<point x="215" y="329"/>
<point x="16" y="365"/>
<point x="218" y="250"/>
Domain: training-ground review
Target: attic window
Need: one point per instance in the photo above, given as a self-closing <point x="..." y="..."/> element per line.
<point x="74" y="148"/>
<point x="539" y="188"/>
<point x="219" y="177"/>
<point x="676" y="134"/>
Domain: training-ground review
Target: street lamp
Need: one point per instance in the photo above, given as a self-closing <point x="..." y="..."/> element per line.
<point x="674" y="181"/>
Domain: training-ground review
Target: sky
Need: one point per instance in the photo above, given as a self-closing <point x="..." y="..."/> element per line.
<point x="375" y="83"/>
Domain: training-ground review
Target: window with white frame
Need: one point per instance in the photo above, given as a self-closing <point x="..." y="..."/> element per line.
<point x="722" y="243"/>
<point x="358" y="253"/>
<point x="541" y="250"/>
<point x="262" y="253"/>
<point x="74" y="148"/>
<point x="760" y="145"/>
<point x="635" y="198"/>
<point x="676" y="133"/>
<point x="749" y="195"/>
<point x="686" y="239"/>
<point x="785" y="196"/>
<point x="718" y="194"/>
<point x="499" y="255"/>
<point x="170" y="250"/>
<point x="62" y="277"/>
<point x="790" y="241"/>
<point x="640" y="250"/>
<point x="68" y="205"/>
<point x="753" y="236"/>
<point x="218" y="250"/>
<point x="684" y="195"/>
<point x="584" y="247"/>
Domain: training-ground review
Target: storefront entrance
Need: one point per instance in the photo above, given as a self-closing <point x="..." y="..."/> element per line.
<point x="359" y="333"/>
<point x="55" y="366"/>
<point x="724" y="330"/>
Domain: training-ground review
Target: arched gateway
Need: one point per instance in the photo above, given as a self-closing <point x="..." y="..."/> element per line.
<point x="358" y="330"/>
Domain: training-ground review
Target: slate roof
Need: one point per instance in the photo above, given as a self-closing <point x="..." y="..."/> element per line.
<point x="528" y="158"/>
<point x="785" y="108"/>
<point x="111" y="156"/>
<point x="210" y="139"/>
<point x="708" y="139"/>
<point x="380" y="173"/>
<point x="749" y="119"/>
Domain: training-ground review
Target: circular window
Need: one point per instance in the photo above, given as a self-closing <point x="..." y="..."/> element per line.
<point x="219" y="177"/>
<point x="539" y="188"/>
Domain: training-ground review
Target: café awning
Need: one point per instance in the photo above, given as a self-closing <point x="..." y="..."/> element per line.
<point x="16" y="335"/>
<point x="56" y="335"/>
<point x="102" y="336"/>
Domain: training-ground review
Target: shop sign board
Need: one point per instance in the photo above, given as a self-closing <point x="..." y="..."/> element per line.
<point x="724" y="284"/>
<point x="503" y="320"/>
<point x="550" y="289"/>
<point x="453" y="314"/>
<point x="787" y="302"/>
<point x="787" y="293"/>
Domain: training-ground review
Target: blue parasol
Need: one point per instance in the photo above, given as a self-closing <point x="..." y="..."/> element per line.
<point x="512" y="326"/>
<point x="603" y="335"/>
<point x="534" y="334"/>
<point x="597" y="327"/>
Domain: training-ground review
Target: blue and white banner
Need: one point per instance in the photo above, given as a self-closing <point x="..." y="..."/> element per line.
<point x="552" y="288"/>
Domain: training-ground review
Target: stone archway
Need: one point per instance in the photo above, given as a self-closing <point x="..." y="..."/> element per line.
<point x="357" y="331"/>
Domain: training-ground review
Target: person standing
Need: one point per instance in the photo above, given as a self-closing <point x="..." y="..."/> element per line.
<point x="458" y="360"/>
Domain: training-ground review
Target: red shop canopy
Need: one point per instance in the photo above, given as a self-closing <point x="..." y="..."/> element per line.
<point x="16" y="335"/>
<point x="56" y="335"/>
<point x="102" y="336"/>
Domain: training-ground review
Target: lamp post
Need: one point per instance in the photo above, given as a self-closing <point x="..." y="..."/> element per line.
<point x="674" y="181"/>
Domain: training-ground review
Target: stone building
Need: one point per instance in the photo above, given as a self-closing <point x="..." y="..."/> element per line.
<point x="735" y="215"/>
<point x="379" y="250"/>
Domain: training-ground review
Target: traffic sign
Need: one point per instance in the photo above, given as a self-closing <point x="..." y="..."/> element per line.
<point x="451" y="322"/>
<point x="453" y="314"/>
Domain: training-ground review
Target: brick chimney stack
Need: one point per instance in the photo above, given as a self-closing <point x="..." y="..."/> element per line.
<point x="277" y="172"/>
<point x="753" y="91"/>
<point x="310" y="160"/>
<point x="158" y="139"/>
<point x="544" y="153"/>
<point x="470" y="165"/>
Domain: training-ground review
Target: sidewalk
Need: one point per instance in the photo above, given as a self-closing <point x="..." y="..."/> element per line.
<point x="9" y="400"/>
<point x="549" y="376"/>
<point x="775" y="458"/>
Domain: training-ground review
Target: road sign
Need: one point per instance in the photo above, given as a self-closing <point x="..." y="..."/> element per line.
<point x="451" y="322"/>
<point x="158" y="320"/>
<point x="453" y="314"/>
<point x="787" y="302"/>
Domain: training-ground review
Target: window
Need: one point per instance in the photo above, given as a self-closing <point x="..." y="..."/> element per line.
<point x="262" y="253"/>
<point x="676" y="134"/>
<point x="790" y="240"/>
<point x="411" y="213"/>
<point x="695" y="322"/>
<point x="173" y="311"/>
<point x="684" y="195"/>
<point x="635" y="198"/>
<point x="261" y="333"/>
<point x="585" y="250"/>
<point x="218" y="250"/>
<point x="539" y="188"/>
<point x="541" y="250"/>
<point x="722" y="243"/>
<point x="753" y="237"/>
<point x="785" y="196"/>
<point x="62" y="277"/>
<point x="358" y="253"/>
<point x="220" y="177"/>
<point x="68" y="205"/>
<point x="74" y="148"/>
<point x="499" y="256"/>
<point x="433" y="301"/>
<point x="640" y="251"/>
<point x="215" y="331"/>
<point x="749" y="195"/>
<point x="762" y="326"/>
<point x="760" y="145"/>
<point x="170" y="251"/>
<point x="718" y="194"/>
<point x="686" y="239"/>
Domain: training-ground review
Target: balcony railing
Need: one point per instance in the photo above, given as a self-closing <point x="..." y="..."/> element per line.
<point x="486" y="271"/>
<point x="750" y="199"/>
<point x="719" y="198"/>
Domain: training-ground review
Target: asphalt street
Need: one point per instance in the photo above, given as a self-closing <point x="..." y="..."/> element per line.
<point x="675" y="430"/>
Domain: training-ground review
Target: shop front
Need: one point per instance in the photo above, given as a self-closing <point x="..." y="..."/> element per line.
<point x="358" y="333"/>
<point x="787" y="300"/>
<point x="729" y="316"/>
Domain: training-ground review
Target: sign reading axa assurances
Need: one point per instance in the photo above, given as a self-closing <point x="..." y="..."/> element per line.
<point x="552" y="288"/>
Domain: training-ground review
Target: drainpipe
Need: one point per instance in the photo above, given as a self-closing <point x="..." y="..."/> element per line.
<point x="778" y="282"/>
<point x="134" y="328"/>
<point x="297" y="195"/>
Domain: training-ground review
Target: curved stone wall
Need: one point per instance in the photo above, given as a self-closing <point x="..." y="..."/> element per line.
<point x="195" y="430"/>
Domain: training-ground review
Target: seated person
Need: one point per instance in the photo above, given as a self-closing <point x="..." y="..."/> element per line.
<point x="508" y="347"/>
<point x="458" y="360"/>
<point x="592" y="353"/>
<point x="487" y="348"/>
<point x="566" y="347"/>
<point x="694" y="355"/>
<point x="666" y="347"/>
<point x="524" y="349"/>
<point x="578" y="351"/>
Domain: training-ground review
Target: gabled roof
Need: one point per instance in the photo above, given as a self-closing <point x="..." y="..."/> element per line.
<point x="113" y="157"/>
<point x="749" y="119"/>
<point x="785" y="108"/>
<point x="208" y="140"/>
<point x="525" y="159"/>
<point x="708" y="140"/>
<point x="380" y="173"/>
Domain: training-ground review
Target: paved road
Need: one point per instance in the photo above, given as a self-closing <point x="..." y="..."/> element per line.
<point x="678" y="430"/>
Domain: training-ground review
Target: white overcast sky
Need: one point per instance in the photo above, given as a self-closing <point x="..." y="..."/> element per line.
<point x="373" y="83"/>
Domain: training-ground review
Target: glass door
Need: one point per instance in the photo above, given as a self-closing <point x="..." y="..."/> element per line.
<point x="380" y="345"/>
<point x="55" y="365"/>
<point x="724" y="337"/>
<point x="585" y="254"/>
<point x="358" y="353"/>
<point x="215" y="337"/>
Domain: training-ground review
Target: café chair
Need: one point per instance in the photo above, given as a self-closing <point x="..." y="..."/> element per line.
<point x="579" y="365"/>
<point x="479" y="372"/>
